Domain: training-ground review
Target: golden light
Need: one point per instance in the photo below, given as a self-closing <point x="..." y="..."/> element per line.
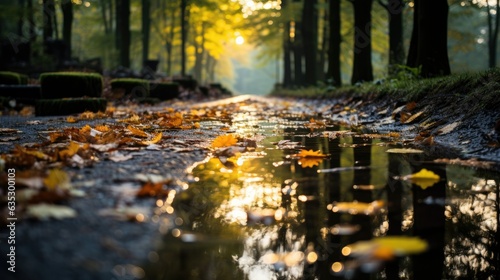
<point x="240" y="40"/>
<point x="337" y="267"/>
<point x="346" y="251"/>
<point x="312" y="257"/>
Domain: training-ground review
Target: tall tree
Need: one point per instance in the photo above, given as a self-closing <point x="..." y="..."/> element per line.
<point x="146" y="30"/>
<point x="49" y="15"/>
<point x="362" y="62"/>
<point x="184" y="4"/>
<point x="310" y="40"/>
<point x="335" y="38"/>
<point x="298" y="51"/>
<point x="396" y="47"/>
<point x="493" y="24"/>
<point x="67" y="12"/>
<point x="287" y="49"/>
<point x="123" y="31"/>
<point x="429" y="39"/>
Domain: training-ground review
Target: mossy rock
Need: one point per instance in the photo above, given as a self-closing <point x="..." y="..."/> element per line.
<point x="12" y="78"/>
<point x="59" y="107"/>
<point x="70" y="84"/>
<point x="164" y="91"/>
<point x="26" y="94"/>
<point x="131" y="87"/>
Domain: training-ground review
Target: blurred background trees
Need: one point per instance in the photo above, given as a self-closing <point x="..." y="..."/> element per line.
<point x="292" y="43"/>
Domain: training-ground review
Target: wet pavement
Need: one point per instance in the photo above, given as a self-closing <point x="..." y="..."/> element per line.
<point x="298" y="189"/>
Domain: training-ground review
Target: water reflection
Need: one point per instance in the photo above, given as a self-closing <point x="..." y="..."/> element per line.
<point x="263" y="214"/>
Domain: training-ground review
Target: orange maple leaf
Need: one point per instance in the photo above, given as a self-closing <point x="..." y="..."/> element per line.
<point x="224" y="141"/>
<point x="310" y="161"/>
<point x="310" y="154"/>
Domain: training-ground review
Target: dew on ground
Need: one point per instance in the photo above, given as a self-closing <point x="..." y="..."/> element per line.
<point x="365" y="206"/>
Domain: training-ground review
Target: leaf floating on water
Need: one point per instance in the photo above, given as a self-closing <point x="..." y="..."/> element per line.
<point x="309" y="162"/>
<point x="224" y="141"/>
<point x="46" y="211"/>
<point x="424" y="178"/>
<point x="385" y="248"/>
<point x="310" y="154"/>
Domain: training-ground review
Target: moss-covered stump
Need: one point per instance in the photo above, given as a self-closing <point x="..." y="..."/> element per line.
<point x="130" y="87"/>
<point x="26" y="94"/>
<point x="70" y="84"/>
<point x="12" y="78"/>
<point x="164" y="91"/>
<point x="59" y="107"/>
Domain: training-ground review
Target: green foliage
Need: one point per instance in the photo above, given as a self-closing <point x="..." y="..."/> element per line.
<point x="58" y="107"/>
<point x="70" y="84"/>
<point x="12" y="78"/>
<point x="404" y="73"/>
<point x="164" y="91"/>
<point x="131" y="87"/>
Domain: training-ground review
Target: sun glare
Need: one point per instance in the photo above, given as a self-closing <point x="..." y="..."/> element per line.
<point x="240" y="40"/>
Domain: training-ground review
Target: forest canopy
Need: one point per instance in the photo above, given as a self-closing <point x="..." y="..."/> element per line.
<point x="251" y="45"/>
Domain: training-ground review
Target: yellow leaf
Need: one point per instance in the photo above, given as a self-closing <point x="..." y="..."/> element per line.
<point x="155" y="140"/>
<point x="71" y="119"/>
<point x="356" y="207"/>
<point x="424" y="178"/>
<point x="102" y="128"/>
<point x="310" y="154"/>
<point x="86" y="129"/>
<point x="402" y="245"/>
<point x="70" y="151"/>
<point x="137" y="132"/>
<point x="57" y="179"/>
<point x="196" y="125"/>
<point x="224" y="141"/>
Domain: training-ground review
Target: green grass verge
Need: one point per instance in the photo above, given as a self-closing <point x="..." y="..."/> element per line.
<point x="59" y="107"/>
<point x="70" y="84"/>
<point x="12" y="78"/>
<point x="479" y="90"/>
<point x="131" y="86"/>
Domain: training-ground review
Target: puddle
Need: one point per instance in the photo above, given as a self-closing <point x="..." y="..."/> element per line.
<point x="370" y="208"/>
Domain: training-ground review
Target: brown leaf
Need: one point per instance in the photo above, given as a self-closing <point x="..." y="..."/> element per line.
<point x="137" y="132"/>
<point x="152" y="190"/>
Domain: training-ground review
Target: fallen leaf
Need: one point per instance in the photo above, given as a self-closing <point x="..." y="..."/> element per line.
<point x="224" y="141"/>
<point x="155" y="140"/>
<point x="46" y="211"/>
<point x="307" y="162"/>
<point x="137" y="132"/>
<point x="424" y="178"/>
<point x="57" y="179"/>
<point x="152" y="190"/>
<point x="71" y="150"/>
<point x="310" y="154"/>
<point x="71" y="119"/>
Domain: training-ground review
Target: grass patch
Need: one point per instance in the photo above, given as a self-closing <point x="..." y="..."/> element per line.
<point x="12" y="78"/>
<point x="130" y="86"/>
<point x="70" y="84"/>
<point x="474" y="91"/>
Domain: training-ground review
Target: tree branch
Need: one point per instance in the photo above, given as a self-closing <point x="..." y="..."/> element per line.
<point x="385" y="5"/>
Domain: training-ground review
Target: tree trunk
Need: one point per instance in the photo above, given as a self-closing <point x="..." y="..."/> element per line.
<point x="104" y="16"/>
<point x="183" y="36"/>
<point x="428" y="48"/>
<point x="298" y="54"/>
<point x="49" y="13"/>
<point x="287" y="60"/>
<point x="67" y="11"/>
<point x="199" y="54"/>
<point x="146" y="23"/>
<point x="310" y="40"/>
<point x="493" y="34"/>
<point x="396" y="47"/>
<point x="362" y="64"/>
<point x="123" y="31"/>
<point x="335" y="38"/>
<point x="21" y="19"/>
